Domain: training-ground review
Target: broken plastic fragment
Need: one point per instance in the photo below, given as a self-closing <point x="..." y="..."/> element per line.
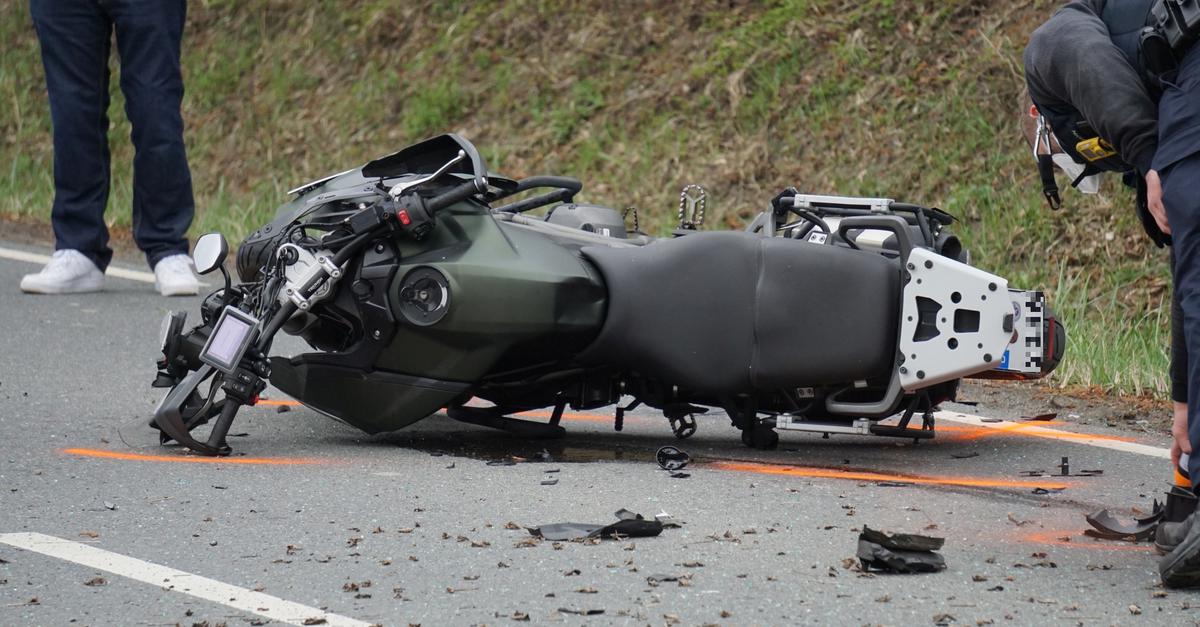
<point x="628" y="525"/>
<point x="666" y="520"/>
<point x="899" y="552"/>
<point x="564" y="531"/>
<point x="671" y="458"/>
<point x="1109" y="528"/>
<point x="874" y="556"/>
<point x="902" y="541"/>
<point x="582" y="612"/>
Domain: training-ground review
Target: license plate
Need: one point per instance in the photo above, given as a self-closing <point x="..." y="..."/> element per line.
<point x="1027" y="350"/>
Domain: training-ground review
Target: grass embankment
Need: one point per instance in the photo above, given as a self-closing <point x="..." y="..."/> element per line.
<point x="909" y="99"/>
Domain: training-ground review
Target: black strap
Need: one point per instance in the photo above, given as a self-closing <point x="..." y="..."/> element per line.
<point x="1049" y="185"/>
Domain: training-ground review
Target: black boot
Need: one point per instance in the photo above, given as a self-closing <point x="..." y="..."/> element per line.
<point x="1170" y="534"/>
<point x="1181" y="567"/>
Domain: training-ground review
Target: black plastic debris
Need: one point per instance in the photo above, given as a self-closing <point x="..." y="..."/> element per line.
<point x="581" y="612"/>
<point x="549" y="481"/>
<point x="672" y="459"/>
<point x="965" y="455"/>
<point x="507" y="461"/>
<point x="899" y="553"/>
<point x="1039" y="418"/>
<point x="628" y="525"/>
<point x="656" y="580"/>
<point x="902" y="541"/>
<point x="680" y="475"/>
<point x="1108" y="527"/>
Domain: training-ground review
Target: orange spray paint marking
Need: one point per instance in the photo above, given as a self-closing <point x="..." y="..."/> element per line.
<point x="188" y="459"/>
<point x="278" y="403"/>
<point x="1066" y="540"/>
<point x="864" y="475"/>
<point x="571" y="416"/>
<point x="963" y="433"/>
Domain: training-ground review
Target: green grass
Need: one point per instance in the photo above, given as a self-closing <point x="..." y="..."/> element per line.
<point x="910" y="99"/>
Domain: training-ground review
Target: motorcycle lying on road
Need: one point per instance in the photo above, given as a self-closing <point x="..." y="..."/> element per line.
<point x="419" y="290"/>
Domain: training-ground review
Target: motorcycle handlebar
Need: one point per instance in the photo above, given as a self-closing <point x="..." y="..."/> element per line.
<point x="561" y="182"/>
<point x="457" y="194"/>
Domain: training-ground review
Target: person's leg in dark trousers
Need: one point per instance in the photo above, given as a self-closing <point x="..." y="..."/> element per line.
<point x="1178" y="163"/>
<point x="74" y="37"/>
<point x="149" y="36"/>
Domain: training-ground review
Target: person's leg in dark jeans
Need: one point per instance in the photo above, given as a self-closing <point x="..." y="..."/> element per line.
<point x="149" y="36"/>
<point x="74" y="37"/>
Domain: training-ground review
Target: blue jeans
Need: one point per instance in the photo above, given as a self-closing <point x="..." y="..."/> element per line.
<point x="1178" y="164"/>
<point x="75" y="37"/>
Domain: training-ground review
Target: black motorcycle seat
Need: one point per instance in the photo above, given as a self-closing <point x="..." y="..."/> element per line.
<point x="731" y="312"/>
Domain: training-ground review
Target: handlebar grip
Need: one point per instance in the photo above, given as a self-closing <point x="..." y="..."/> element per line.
<point x="558" y="195"/>
<point x="561" y="182"/>
<point x="458" y="194"/>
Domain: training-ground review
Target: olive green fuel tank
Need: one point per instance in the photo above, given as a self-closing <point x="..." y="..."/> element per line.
<point x="477" y="297"/>
<point x="514" y="298"/>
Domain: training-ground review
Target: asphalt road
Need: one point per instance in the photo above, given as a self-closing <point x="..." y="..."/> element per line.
<point x="412" y="527"/>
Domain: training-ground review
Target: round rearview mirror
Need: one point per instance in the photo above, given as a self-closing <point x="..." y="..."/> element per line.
<point x="210" y="252"/>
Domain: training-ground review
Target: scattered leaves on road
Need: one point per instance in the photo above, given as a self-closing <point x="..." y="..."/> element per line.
<point x="1018" y="522"/>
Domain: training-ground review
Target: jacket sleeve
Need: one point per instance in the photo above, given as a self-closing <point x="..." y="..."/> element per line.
<point x="1071" y="62"/>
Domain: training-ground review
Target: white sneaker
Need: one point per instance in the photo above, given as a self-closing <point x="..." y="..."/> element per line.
<point x="173" y="276"/>
<point x="69" y="272"/>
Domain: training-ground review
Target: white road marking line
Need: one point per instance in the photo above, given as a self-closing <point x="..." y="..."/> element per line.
<point x="173" y="580"/>
<point x="1079" y="438"/>
<point x="120" y="273"/>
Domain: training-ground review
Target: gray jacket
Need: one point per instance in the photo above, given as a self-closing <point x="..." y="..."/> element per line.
<point x="1071" y="62"/>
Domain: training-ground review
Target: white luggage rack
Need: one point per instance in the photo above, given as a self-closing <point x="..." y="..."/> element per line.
<point x="790" y="422"/>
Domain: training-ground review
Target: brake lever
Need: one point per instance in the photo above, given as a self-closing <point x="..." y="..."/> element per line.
<point x="398" y="189"/>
